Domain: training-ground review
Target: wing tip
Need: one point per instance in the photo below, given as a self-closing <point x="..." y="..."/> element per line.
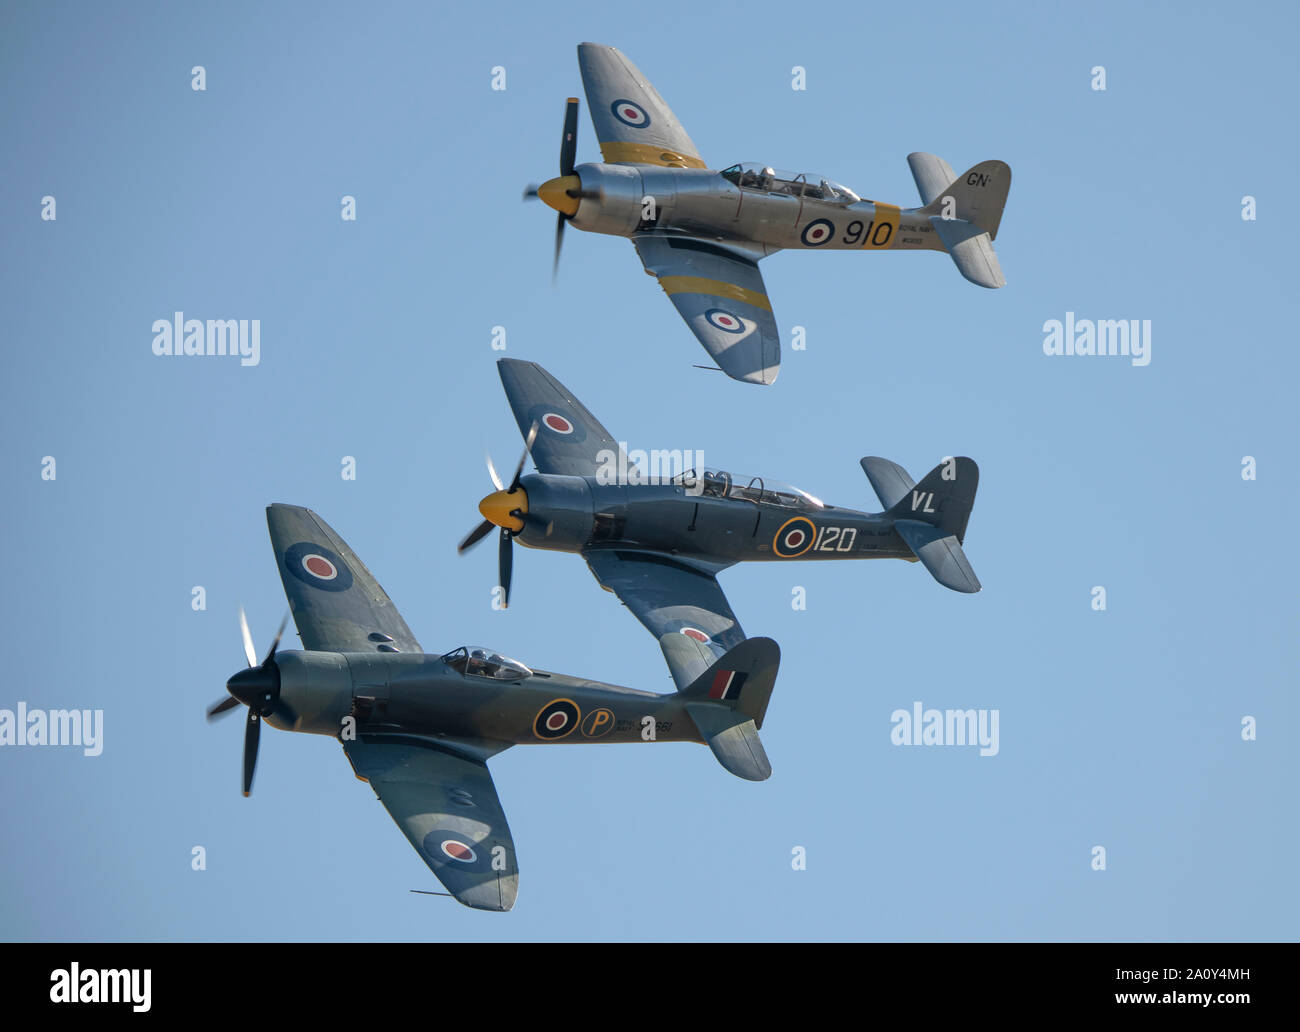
<point x="763" y="377"/>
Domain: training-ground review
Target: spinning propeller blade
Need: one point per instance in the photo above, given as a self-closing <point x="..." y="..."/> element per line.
<point x="506" y="509"/>
<point x="258" y="687"/>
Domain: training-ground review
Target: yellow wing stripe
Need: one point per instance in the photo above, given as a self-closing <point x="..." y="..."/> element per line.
<point x="714" y="288"/>
<point x="616" y="151"/>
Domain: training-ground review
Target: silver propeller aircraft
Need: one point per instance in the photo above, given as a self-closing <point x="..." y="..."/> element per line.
<point x="659" y="546"/>
<point x="420" y="728"/>
<point x="702" y="232"/>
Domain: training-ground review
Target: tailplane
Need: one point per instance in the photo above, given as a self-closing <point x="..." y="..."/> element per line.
<point x="728" y="702"/>
<point x="931" y="516"/>
<point x="965" y="211"/>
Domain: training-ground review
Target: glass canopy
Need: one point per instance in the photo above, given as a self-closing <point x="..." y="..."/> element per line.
<point x="482" y="662"/>
<point x="742" y="486"/>
<point x="753" y="176"/>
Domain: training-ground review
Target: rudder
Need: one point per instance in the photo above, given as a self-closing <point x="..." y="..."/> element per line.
<point x="978" y="196"/>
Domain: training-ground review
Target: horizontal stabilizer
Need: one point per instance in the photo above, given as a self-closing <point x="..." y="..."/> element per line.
<point x="890" y="480"/>
<point x="971" y="251"/>
<point x="728" y="701"/>
<point x="941" y="554"/>
<point x="933" y="175"/>
<point x="733" y="738"/>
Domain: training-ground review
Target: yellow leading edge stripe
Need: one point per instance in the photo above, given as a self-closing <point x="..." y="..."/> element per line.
<point x="615" y="151"/>
<point x="715" y="288"/>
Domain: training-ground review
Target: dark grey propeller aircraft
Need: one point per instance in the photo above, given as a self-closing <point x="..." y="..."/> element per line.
<point x="659" y="546"/>
<point x="420" y="728"/>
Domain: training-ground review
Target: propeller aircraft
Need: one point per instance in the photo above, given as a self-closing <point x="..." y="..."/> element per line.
<point x="420" y="728"/>
<point x="701" y="232"/>
<point x="659" y="546"/>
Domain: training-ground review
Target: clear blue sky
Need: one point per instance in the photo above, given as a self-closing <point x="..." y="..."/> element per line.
<point x="1118" y="728"/>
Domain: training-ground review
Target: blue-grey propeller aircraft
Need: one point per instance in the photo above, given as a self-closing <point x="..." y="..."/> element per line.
<point x="420" y="728"/>
<point x="659" y="546"/>
<point x="702" y="232"/>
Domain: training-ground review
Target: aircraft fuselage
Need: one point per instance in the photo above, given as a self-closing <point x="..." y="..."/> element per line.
<point x="732" y="522"/>
<point x="703" y="203"/>
<point x="434" y="697"/>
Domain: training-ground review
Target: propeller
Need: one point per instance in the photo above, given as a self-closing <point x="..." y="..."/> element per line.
<point x="569" y="141"/>
<point x="506" y="508"/>
<point x="564" y="192"/>
<point x="258" y="688"/>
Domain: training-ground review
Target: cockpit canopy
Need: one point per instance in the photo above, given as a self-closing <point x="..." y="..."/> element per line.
<point x="721" y="484"/>
<point x="481" y="662"/>
<point x="753" y="176"/>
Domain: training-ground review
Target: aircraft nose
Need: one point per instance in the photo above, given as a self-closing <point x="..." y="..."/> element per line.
<point x="555" y="192"/>
<point x="255" y="686"/>
<point x="499" y="507"/>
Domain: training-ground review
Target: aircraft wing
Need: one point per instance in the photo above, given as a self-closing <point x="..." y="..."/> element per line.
<point x="337" y="604"/>
<point x="442" y="797"/>
<point x="633" y="124"/>
<point x="720" y="294"/>
<point x="680" y="603"/>
<point x="569" y="439"/>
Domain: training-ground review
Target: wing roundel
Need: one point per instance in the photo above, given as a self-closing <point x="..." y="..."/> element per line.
<point x="632" y="122"/>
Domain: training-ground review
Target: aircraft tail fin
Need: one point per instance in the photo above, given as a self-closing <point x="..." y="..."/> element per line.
<point x="931" y="516"/>
<point x="728" y="702"/>
<point x="965" y="211"/>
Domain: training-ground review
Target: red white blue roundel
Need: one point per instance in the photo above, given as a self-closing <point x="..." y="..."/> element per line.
<point x="696" y="634"/>
<point x="554" y="420"/>
<point x="318" y="566"/>
<point x="455" y="849"/>
<point x="727" y="322"/>
<point x="817" y="232"/>
<point x="794" y="538"/>
<point x="556" y="719"/>
<point x="557" y="423"/>
<point x="630" y="114"/>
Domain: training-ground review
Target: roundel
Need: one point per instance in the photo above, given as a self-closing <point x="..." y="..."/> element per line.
<point x="817" y="232"/>
<point x="457" y="850"/>
<point x="455" y="846"/>
<point x="794" y="538"/>
<point x="318" y="566"/>
<point x="557" y="423"/>
<point x="696" y="634"/>
<point x="556" y="719"/>
<point x="630" y="114"/>
<point x="721" y="319"/>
